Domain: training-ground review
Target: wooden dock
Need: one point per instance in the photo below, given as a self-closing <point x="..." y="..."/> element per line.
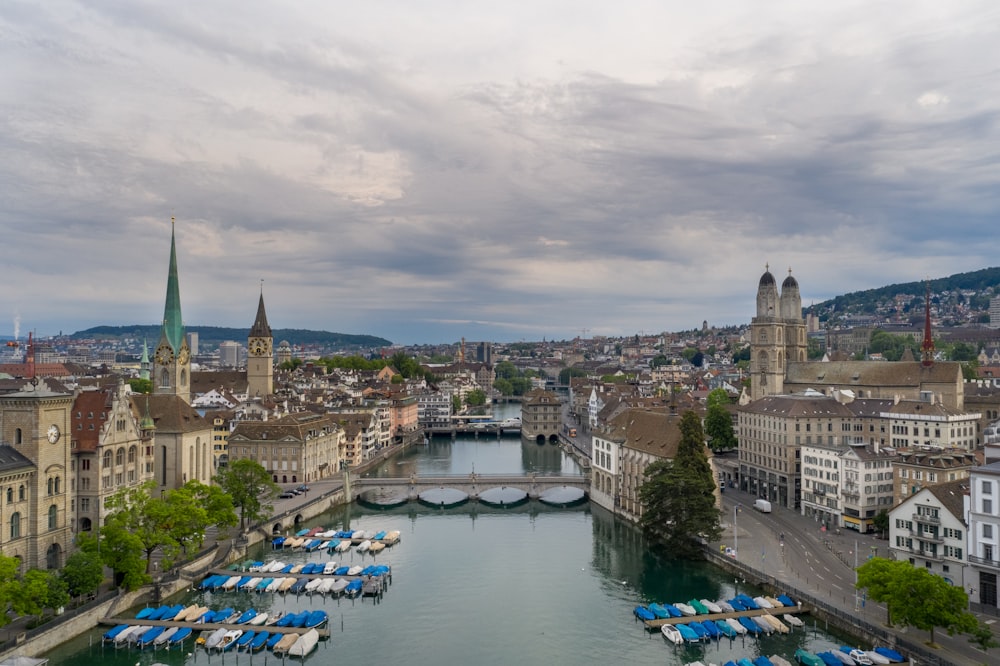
<point x="200" y="626"/>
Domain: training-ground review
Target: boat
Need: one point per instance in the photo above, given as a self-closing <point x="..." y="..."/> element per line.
<point x="312" y="585"/>
<point x="808" y="658"/>
<point x="354" y="587"/>
<point x="148" y="637"/>
<point x="262" y="585"/>
<point x="751" y="626"/>
<point x="659" y="611"/>
<point x="273" y="640"/>
<point x="181" y="635"/>
<point x="778" y="660"/>
<point x="858" y="655"/>
<point x="785" y="600"/>
<point x="228" y="641"/>
<point x="890" y="654"/>
<point x="687" y="633"/>
<point x="316" y="618"/>
<point x="698" y="607"/>
<point x="774" y="602"/>
<point x="343" y="546"/>
<point x="288" y="640"/>
<point x="698" y="629"/>
<point x="674" y="611"/>
<point x="711" y="606"/>
<point x="110" y="634"/>
<point x="391" y="537"/>
<point x="376" y="547"/>
<point x="762" y="602"/>
<point x="726" y="607"/>
<point x="165" y="636"/>
<point x="123" y="636"/>
<point x="305" y="644"/>
<point x="685" y="609"/>
<point x="842" y="657"/>
<point x="762" y="661"/>
<point x="641" y="612"/>
<point x="243" y="642"/>
<point x="257" y="644"/>
<point x="379" y="535"/>
<point x="792" y="620"/>
<point x="726" y="629"/>
<point x="829" y="658"/>
<point x="299" y="586"/>
<point x="364" y="546"/>
<point x="274" y="619"/>
<point x="736" y="626"/>
<point x="246" y="616"/>
<point x="146" y="612"/>
<point x="776" y="624"/>
<point x="138" y="633"/>
<point x="712" y="630"/>
<point x="744" y="662"/>
<point x="258" y="620"/>
<point x="764" y="625"/>
<point x="326" y="585"/>
<point x="338" y="586"/>
<point x="876" y="657"/>
<point x="215" y="638"/>
<point x="230" y="584"/>
<point x="329" y="568"/>
<point x="672" y="634"/>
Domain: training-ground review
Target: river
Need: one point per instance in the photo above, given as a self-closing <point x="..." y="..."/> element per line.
<point x="524" y="585"/>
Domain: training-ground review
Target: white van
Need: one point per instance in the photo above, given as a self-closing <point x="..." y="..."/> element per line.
<point x="762" y="505"/>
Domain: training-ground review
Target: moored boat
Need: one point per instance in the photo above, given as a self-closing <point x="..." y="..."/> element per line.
<point x="687" y="633"/>
<point x="890" y="654"/>
<point x="736" y="626"/>
<point x="792" y="620"/>
<point x="165" y="636"/>
<point x="711" y="606"/>
<point x="305" y="644"/>
<point x="777" y="624"/>
<point x="780" y="661"/>
<point x="685" y="609"/>
<point x="807" y="658"/>
<point x="282" y="646"/>
<point x="672" y="634"/>
<point x="214" y="639"/>
<point x="376" y="547"/>
<point x="180" y="635"/>
<point x="641" y="613"/>
<point x="725" y="628"/>
<point x="110" y="634"/>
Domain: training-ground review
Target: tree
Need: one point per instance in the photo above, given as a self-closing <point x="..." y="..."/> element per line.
<point x="147" y="518"/>
<point x="505" y="370"/>
<point x="121" y="550"/>
<point x="37" y="591"/>
<point x="8" y="585"/>
<point x="719" y="427"/>
<point x="250" y="489"/>
<point x="456" y="404"/>
<point x="568" y="373"/>
<point x="678" y="496"/>
<point x="82" y="573"/>
<point x="192" y="509"/>
<point x="475" y="398"/>
<point x="915" y="597"/>
<point x="880" y="521"/>
<point x="983" y="637"/>
<point x="717" y="396"/>
<point x="141" y="386"/>
<point x="503" y="386"/>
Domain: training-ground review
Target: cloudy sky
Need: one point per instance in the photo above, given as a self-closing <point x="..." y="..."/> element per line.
<point x="425" y="171"/>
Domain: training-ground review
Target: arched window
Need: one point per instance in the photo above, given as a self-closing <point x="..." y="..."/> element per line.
<point x="17" y="436"/>
<point x="49" y="486"/>
<point x="15" y="525"/>
<point x="21" y="495"/>
<point x="131" y="454"/>
<point x="10" y="495"/>
<point x="120" y="457"/>
<point x="164" y="378"/>
<point x="53" y="516"/>
<point x="107" y="460"/>
<point x="57" y="484"/>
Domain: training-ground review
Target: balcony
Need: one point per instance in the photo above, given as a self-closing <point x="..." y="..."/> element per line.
<point x="982" y="561"/>
<point x="926" y="537"/>
<point x="926" y="518"/>
<point x="928" y="555"/>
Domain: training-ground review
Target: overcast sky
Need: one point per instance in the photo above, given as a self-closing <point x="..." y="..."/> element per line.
<point x="426" y="171"/>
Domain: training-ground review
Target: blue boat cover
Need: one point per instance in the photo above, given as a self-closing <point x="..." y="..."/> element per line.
<point x="890" y="654"/>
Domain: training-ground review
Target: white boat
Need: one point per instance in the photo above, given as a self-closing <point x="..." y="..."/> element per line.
<point x="711" y="605"/>
<point x="774" y="602"/>
<point x="215" y="638"/>
<point x="357" y="568"/>
<point x="273" y="619"/>
<point x="792" y="620"/>
<point x="230" y="584"/>
<point x="252" y="583"/>
<point x="313" y="584"/>
<point x="134" y="637"/>
<point x="123" y="635"/>
<point x="343" y="546"/>
<point x="672" y="634"/>
<point x="274" y="585"/>
<point x="726" y="607"/>
<point x="275" y="567"/>
<point x="258" y="619"/>
<point x="737" y="627"/>
<point x="364" y="546"/>
<point x="764" y="625"/>
<point x="329" y="568"/>
<point x="762" y="602"/>
<point x="326" y="585"/>
<point x="876" y="657"/>
<point x="682" y="607"/>
<point x="165" y="636"/>
<point x="324" y="545"/>
<point x="305" y="644"/>
<point x="339" y="585"/>
<point x="228" y="639"/>
<point x="779" y="661"/>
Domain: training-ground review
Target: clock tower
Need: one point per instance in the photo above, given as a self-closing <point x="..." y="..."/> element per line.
<point x="172" y="358"/>
<point x="260" y="355"/>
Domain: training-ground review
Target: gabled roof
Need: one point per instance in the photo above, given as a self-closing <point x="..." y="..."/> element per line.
<point x="172" y="415"/>
<point x="950" y="495"/>
<point x="11" y="459"/>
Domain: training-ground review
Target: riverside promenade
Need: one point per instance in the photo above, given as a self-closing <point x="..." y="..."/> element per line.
<point x="821" y="564"/>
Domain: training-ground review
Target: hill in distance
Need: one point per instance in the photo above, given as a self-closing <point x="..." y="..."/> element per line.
<point x="213" y="335"/>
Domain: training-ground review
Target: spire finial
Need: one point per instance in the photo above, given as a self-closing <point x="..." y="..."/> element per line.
<point x="767" y="268"/>
<point x="789" y="270"/>
<point x="927" y="348"/>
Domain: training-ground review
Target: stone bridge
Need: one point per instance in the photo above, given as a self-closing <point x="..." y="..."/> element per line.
<point x="472" y="484"/>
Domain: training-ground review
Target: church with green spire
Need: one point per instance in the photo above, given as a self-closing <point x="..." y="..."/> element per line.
<point x="172" y="360"/>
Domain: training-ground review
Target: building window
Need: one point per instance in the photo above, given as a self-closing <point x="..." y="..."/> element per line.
<point x="10" y="496"/>
<point x="21" y="494"/>
<point x="53" y="516"/>
<point x="15" y="526"/>
<point x="987" y="488"/>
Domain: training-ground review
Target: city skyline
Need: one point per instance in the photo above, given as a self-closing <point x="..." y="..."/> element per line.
<point x="430" y="172"/>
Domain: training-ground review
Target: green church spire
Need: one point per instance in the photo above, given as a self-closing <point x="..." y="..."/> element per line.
<point x="173" y="324"/>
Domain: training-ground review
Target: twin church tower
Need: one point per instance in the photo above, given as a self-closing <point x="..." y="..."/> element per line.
<point x="171" y="373"/>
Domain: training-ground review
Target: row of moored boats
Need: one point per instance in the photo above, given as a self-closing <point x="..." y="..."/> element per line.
<point x="844" y="656"/>
<point x="329" y="579"/>
<point x="337" y="541"/>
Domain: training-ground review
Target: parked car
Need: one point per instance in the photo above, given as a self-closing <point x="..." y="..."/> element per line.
<point x="287" y="494"/>
<point x="303" y="488"/>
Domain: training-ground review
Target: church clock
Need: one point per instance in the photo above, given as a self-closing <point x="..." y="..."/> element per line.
<point x="164" y="354"/>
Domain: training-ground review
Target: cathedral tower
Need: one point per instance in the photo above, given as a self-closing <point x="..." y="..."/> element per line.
<point x="777" y="335"/>
<point x="172" y="360"/>
<point x="260" y="355"/>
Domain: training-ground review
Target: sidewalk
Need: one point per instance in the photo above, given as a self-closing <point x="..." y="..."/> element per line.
<point x="822" y="563"/>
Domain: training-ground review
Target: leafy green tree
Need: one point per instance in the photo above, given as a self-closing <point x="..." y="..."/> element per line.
<point x="456" y="404"/>
<point x="291" y="364"/>
<point x="678" y="496"/>
<point x="192" y="509"/>
<point x="121" y="550"/>
<point x="475" y="398"/>
<point x="83" y="572"/>
<point x="568" y="373"/>
<point x="9" y="586"/>
<point x="983" y="637"/>
<point x="880" y="521"/>
<point x="961" y="351"/>
<point x="814" y="350"/>
<point x="506" y="370"/>
<point x="717" y="396"/>
<point x="141" y="386"/>
<point x="520" y="385"/>
<point x="970" y="370"/>
<point x="719" y="427"/>
<point x="147" y="518"/>
<point x="250" y="488"/>
<point x="915" y="597"/>
<point x="503" y="386"/>
<point x="37" y="591"/>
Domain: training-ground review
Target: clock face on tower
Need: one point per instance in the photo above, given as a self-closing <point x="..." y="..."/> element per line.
<point x="164" y="354"/>
<point x="260" y="347"/>
<point x="53" y="433"/>
<point x="183" y="356"/>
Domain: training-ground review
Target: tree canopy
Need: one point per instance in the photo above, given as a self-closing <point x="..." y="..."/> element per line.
<point x="678" y="496"/>
<point x="915" y="597"/>
<point x="250" y="488"/>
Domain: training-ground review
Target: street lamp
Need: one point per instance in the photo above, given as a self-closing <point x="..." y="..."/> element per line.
<point x="972" y="591"/>
<point x="736" y="534"/>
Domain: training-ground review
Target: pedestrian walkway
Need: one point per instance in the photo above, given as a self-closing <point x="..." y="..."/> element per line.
<point x="800" y="552"/>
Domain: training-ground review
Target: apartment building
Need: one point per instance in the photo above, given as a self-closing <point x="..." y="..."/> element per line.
<point x="929" y="530"/>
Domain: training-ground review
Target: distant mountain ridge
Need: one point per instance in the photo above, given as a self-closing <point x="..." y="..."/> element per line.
<point x="216" y="334"/>
<point x="984" y="283"/>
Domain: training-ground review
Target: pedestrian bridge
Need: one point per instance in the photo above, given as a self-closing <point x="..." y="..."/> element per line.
<point x="471" y="484"/>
